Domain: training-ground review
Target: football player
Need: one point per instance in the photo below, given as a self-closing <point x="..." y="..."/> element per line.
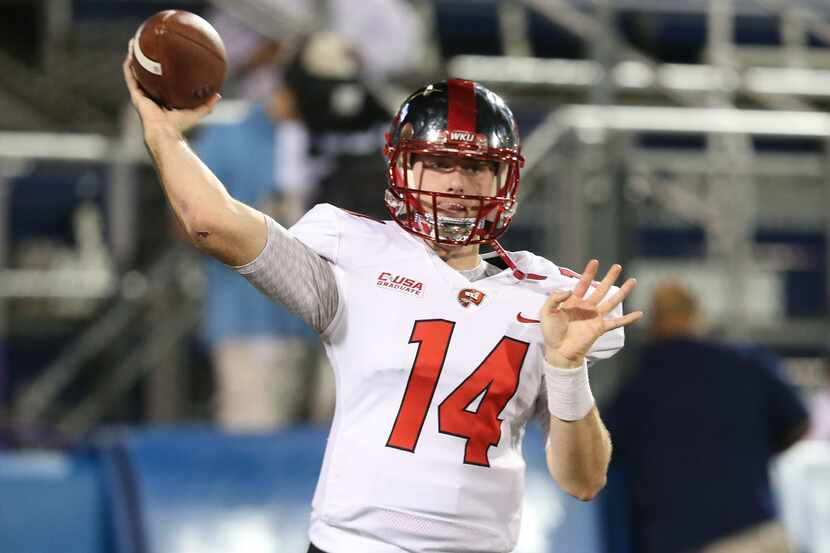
<point x="441" y="353"/>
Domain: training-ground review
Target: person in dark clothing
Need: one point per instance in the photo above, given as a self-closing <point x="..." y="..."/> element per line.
<point x="694" y="430"/>
<point x="346" y="122"/>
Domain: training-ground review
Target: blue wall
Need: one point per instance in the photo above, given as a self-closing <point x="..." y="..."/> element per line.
<point x="195" y="489"/>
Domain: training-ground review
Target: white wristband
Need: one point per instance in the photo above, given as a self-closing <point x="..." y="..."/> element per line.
<point x="569" y="392"/>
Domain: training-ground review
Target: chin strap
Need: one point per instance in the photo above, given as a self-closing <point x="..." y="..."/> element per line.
<point x="518" y="274"/>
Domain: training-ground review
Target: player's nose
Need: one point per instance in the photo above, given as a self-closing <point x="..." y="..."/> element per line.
<point x="457" y="181"/>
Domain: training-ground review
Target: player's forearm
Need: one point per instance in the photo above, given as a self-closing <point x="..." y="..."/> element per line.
<point x="214" y="221"/>
<point x="578" y="454"/>
<point x="192" y="190"/>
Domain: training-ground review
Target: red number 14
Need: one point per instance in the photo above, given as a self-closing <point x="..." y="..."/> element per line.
<point x="496" y="378"/>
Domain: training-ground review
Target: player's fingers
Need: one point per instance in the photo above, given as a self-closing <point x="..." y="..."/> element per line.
<point x="622" y="321"/>
<point x="129" y="77"/>
<point x="606" y="283"/>
<point x="555" y="299"/>
<point x="210" y="104"/>
<point x="587" y="277"/>
<point x="191" y="117"/>
<point x="612" y="302"/>
<point x="125" y="67"/>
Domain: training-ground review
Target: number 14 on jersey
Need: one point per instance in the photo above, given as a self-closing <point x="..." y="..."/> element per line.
<point x="495" y="379"/>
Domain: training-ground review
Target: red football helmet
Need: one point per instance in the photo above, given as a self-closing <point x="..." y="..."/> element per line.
<point x="464" y="121"/>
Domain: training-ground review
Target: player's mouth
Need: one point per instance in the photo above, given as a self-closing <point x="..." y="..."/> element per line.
<point x="453" y="209"/>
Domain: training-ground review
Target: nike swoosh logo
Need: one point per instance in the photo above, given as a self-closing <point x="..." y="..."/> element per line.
<point x="522" y="319"/>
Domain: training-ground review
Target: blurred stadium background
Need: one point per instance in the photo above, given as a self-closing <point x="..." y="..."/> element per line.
<point x="682" y="138"/>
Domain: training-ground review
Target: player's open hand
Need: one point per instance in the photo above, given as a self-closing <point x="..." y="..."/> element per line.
<point x="154" y="117"/>
<point x="571" y="323"/>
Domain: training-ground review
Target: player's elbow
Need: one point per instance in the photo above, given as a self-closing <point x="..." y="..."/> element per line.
<point x="207" y="229"/>
<point x="215" y="215"/>
<point x="211" y="240"/>
<point x="583" y="488"/>
<point x="576" y="479"/>
<point x="201" y="231"/>
<point x="586" y="491"/>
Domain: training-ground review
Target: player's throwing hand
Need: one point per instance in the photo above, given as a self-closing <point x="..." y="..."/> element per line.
<point x="571" y="323"/>
<point x="156" y="118"/>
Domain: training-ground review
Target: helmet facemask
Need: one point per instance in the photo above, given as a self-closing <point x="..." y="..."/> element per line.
<point x="475" y="216"/>
<point x="459" y="127"/>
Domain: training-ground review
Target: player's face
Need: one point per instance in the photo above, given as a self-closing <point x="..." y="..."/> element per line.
<point x="453" y="175"/>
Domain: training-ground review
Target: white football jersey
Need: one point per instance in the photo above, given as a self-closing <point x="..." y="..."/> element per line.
<point x="436" y="378"/>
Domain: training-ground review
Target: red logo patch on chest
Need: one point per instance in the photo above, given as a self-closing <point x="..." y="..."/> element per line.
<point x="470" y="295"/>
<point x="400" y="283"/>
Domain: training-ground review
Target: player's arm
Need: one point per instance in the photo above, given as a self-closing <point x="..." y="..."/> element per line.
<point x="579" y="448"/>
<point x="280" y="266"/>
<point x="578" y="453"/>
<point x="214" y="221"/>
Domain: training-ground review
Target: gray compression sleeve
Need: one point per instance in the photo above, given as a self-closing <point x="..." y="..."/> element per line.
<point x="292" y="274"/>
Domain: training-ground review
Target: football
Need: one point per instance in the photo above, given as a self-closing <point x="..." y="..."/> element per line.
<point x="179" y="59"/>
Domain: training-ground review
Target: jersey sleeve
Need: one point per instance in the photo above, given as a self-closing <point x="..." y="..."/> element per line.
<point x="292" y="273"/>
<point x="319" y="229"/>
<point x="347" y="239"/>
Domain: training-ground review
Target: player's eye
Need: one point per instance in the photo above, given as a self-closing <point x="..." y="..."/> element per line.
<point x="477" y="168"/>
<point x="470" y="167"/>
<point x="442" y="164"/>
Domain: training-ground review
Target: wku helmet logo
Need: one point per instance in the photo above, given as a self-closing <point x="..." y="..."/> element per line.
<point x="462" y="136"/>
<point x="470" y="295"/>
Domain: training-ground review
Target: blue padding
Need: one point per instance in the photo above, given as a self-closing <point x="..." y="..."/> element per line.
<point x="185" y="490"/>
<point x="199" y="490"/>
<point x="50" y="502"/>
<point x="553" y="521"/>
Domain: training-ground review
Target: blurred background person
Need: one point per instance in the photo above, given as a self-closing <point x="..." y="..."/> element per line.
<point x="315" y="131"/>
<point x="387" y="34"/>
<point x="802" y="475"/>
<point x="251" y="55"/>
<point x="345" y="121"/>
<point x="694" y="431"/>
<point x="259" y="351"/>
<point x="820" y="408"/>
<point x="331" y="72"/>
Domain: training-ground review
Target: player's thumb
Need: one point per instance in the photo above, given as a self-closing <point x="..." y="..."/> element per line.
<point x="191" y="117"/>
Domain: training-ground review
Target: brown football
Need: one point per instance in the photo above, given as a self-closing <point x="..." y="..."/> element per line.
<point x="178" y="59"/>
